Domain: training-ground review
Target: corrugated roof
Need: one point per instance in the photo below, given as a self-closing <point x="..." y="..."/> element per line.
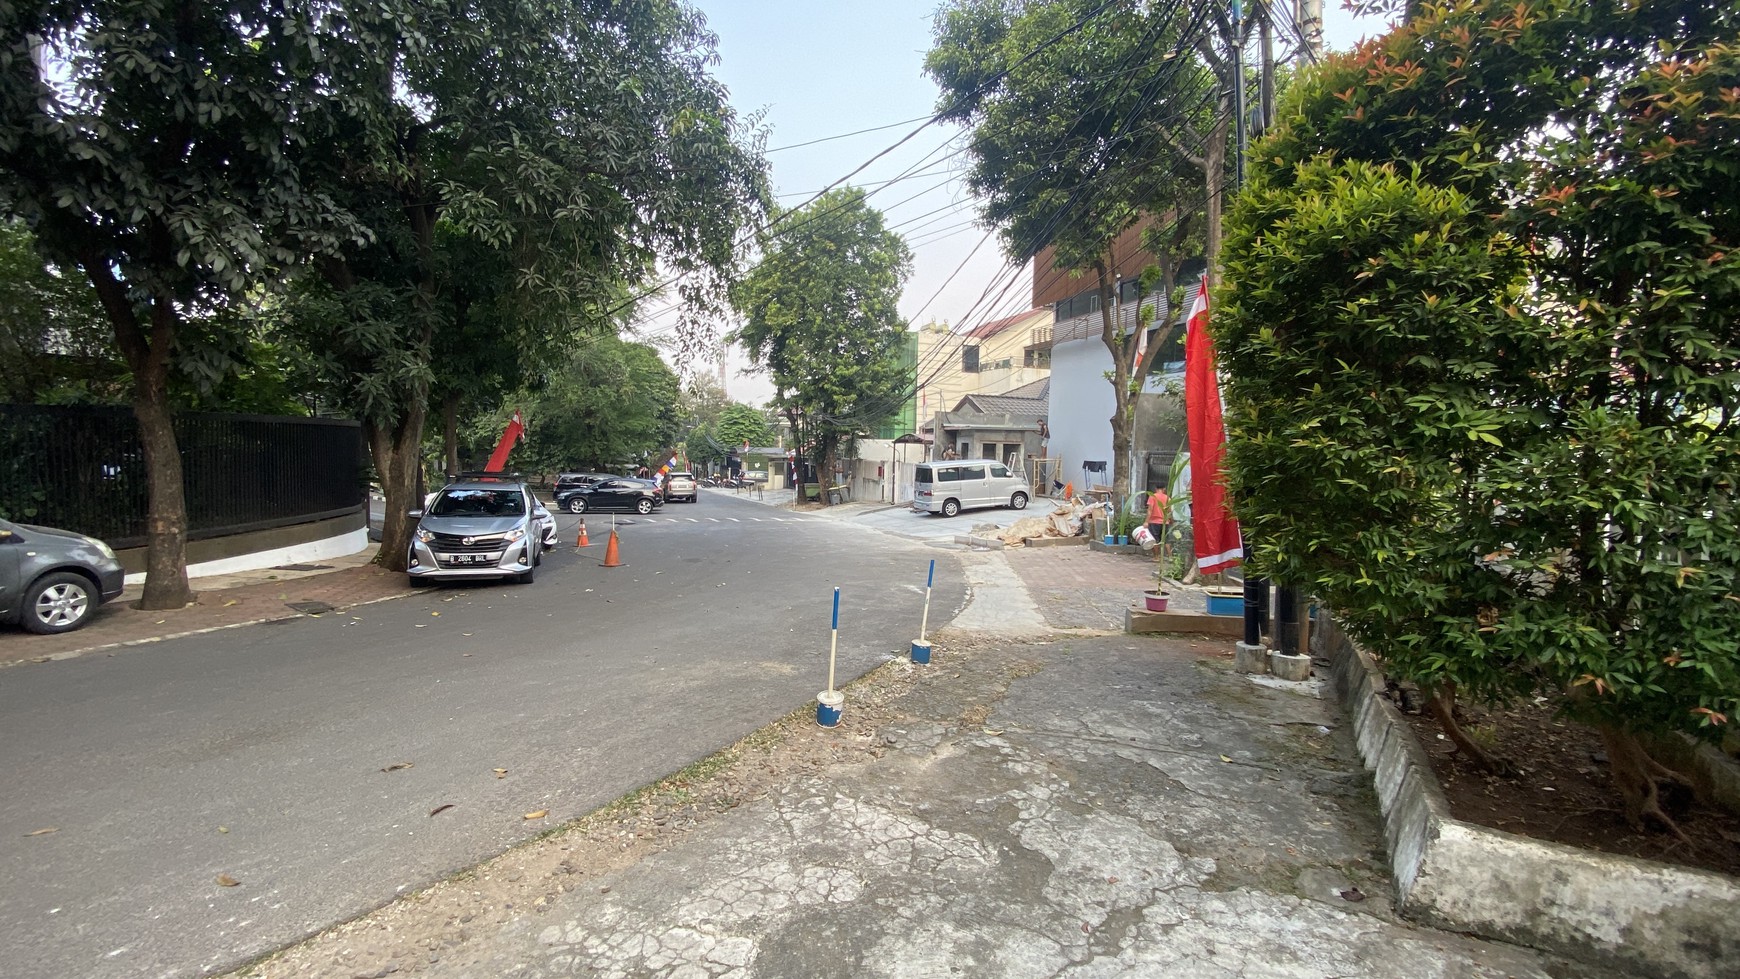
<point x="1039" y="390"/>
<point x="1003" y="404"/>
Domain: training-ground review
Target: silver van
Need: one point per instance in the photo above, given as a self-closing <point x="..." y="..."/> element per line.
<point x="967" y="484"/>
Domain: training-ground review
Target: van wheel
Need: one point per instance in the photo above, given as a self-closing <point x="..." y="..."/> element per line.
<point x="1018" y="501"/>
<point x="951" y="508"/>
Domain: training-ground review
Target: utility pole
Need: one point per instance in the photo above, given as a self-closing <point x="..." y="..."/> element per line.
<point x="1311" y="26"/>
<point x="1266" y="82"/>
<point x="1240" y="137"/>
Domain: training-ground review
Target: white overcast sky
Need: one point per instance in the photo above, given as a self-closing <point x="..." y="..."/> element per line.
<point x="821" y="69"/>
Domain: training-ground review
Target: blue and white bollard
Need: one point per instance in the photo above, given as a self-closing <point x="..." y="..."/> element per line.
<point x="830" y="703"/>
<point x="921" y="648"/>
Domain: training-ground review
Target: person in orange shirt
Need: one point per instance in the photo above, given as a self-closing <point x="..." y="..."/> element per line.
<point x="1159" y="507"/>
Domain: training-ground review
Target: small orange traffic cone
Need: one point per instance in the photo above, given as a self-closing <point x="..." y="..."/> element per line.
<point x="582" y="540"/>
<point x="611" y="560"/>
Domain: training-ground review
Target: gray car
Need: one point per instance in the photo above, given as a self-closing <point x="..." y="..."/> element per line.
<point x="53" y="580"/>
<point x="479" y="528"/>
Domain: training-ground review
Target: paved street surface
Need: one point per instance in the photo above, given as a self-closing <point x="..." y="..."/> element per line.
<point x="270" y="753"/>
<point x="1048" y="798"/>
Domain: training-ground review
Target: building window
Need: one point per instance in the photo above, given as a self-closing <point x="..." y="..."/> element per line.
<point x="1033" y="357"/>
<point x="988" y="450"/>
<point x="970" y="360"/>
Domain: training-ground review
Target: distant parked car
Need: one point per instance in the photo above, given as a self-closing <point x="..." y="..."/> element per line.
<point x="483" y="525"/>
<point x="567" y="481"/>
<point x="682" y="486"/>
<point x="52" y="580"/>
<point x="619" y="493"/>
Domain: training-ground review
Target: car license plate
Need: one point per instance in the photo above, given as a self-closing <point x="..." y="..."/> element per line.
<point x="472" y="558"/>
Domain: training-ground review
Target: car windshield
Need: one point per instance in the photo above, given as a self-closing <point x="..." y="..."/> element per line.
<point x="479" y="503"/>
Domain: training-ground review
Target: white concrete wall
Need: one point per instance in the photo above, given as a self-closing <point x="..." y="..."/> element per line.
<point x="318" y="550"/>
<point x="1081" y="408"/>
<point x="867" y="487"/>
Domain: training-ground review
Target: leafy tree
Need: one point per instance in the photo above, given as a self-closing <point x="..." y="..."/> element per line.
<point x="702" y="401"/>
<point x="583" y="142"/>
<point x="54" y="340"/>
<point x="154" y="146"/>
<point x="739" y="423"/>
<point x="1484" y="400"/>
<point x="822" y="319"/>
<point x="608" y="403"/>
<point x="1071" y="159"/>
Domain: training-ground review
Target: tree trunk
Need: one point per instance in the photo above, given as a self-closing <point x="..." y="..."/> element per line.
<point x="397" y="459"/>
<point x="147" y="355"/>
<point x="1638" y="779"/>
<point x="1441" y="704"/>
<point x="1116" y="343"/>
<point x="450" y="432"/>
<point x="166" y="513"/>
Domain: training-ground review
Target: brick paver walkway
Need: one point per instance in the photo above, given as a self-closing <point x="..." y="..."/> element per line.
<point x="118" y="623"/>
<point x="1076" y="587"/>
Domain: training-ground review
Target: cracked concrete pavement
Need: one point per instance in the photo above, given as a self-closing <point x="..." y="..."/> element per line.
<point x="1028" y="805"/>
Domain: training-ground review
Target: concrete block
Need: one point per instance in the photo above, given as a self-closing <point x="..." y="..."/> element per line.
<point x="1250" y="659"/>
<point x="1648" y="918"/>
<point x="1289" y="667"/>
<point x="1140" y="620"/>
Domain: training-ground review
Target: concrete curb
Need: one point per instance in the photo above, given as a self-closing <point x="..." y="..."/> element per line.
<point x="1656" y="919"/>
<point x="995" y="544"/>
<point x="66" y="654"/>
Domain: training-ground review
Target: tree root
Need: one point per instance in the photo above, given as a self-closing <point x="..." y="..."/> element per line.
<point x="1441" y="704"/>
<point x="1639" y="779"/>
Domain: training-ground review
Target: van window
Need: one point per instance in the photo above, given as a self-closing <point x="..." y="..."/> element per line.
<point x="972" y="472"/>
<point x="949" y="475"/>
<point x="999" y="470"/>
<point x="922" y="474"/>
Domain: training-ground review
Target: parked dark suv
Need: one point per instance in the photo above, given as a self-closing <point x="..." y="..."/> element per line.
<point x="52" y="580"/>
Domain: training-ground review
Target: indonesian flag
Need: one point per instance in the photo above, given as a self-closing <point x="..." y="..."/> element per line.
<point x="1218" y="545"/>
<point x="510" y="435"/>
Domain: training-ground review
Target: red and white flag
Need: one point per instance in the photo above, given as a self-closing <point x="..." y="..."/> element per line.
<point x="1218" y="545"/>
<point x="509" y="436"/>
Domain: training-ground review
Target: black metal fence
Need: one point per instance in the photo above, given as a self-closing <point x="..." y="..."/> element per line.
<point x="83" y="469"/>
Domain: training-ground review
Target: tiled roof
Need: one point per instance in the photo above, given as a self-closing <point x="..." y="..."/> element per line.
<point x="1001" y="404"/>
<point x="1039" y="390"/>
<point x="991" y="329"/>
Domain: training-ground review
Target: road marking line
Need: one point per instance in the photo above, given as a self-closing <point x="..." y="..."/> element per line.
<point x="714" y="519"/>
<point x="733" y="519"/>
<point x="691" y="520"/>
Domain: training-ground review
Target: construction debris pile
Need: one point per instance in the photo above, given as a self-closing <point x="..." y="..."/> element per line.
<point x="1064" y="521"/>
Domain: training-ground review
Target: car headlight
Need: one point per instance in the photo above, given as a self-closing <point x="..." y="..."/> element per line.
<point x="513" y="535"/>
<point x="425" y="536"/>
<point x="102" y="548"/>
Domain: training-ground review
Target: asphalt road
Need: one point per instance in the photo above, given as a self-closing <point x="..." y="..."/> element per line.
<point x="258" y="753"/>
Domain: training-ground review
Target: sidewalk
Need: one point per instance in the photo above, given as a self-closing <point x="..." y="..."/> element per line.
<point x="1031" y="804"/>
<point x="221" y="601"/>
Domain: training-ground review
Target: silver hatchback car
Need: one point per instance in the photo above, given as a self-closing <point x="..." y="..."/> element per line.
<point x="53" y="580"/>
<point x="479" y="527"/>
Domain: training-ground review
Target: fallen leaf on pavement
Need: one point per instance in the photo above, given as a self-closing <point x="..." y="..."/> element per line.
<point x="537" y="814"/>
<point x="225" y="880"/>
<point x="396" y="766"/>
<point x="992" y="733"/>
<point x="434" y="613"/>
<point x="501" y="773"/>
<point x="44" y="831"/>
<point x="223" y="829"/>
<point x="1353" y="894"/>
<point x="420" y="625"/>
<point x="1226" y="759"/>
<point x="232" y="601"/>
<point x="440" y="809"/>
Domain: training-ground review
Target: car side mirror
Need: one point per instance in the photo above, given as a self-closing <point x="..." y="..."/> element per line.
<point x="414" y="514"/>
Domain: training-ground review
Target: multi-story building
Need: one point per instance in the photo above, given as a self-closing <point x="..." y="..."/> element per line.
<point x="991" y="359"/>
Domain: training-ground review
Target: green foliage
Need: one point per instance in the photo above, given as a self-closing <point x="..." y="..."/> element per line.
<point x="822" y="317"/>
<point x="739" y="423"/>
<point x="608" y="403"/>
<point x="1484" y="401"/>
<point x="54" y="340"/>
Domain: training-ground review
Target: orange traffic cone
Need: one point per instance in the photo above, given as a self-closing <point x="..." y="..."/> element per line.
<point x="611" y="560"/>
<point x="582" y="540"/>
